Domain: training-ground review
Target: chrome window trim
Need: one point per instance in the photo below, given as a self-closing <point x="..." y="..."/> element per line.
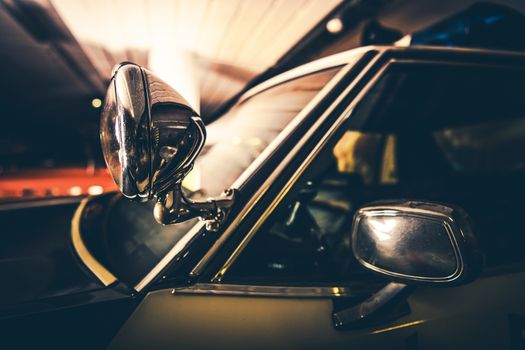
<point x="269" y="291"/>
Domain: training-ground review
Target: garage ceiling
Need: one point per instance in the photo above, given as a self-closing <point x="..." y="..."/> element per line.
<point x="209" y="49"/>
<point x="47" y="80"/>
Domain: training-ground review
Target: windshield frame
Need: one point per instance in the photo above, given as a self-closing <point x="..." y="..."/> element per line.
<point x="344" y="60"/>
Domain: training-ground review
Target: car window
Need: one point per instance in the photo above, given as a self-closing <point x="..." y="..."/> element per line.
<point x="446" y="133"/>
<point x="237" y="138"/>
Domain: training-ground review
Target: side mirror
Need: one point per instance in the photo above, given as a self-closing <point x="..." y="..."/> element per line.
<point x="150" y="139"/>
<point x="422" y="242"/>
<point x="409" y="242"/>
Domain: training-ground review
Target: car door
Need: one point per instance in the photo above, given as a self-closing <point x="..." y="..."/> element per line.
<point x="447" y="129"/>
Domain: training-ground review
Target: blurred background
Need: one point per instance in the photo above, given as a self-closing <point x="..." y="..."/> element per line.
<point x="56" y="58"/>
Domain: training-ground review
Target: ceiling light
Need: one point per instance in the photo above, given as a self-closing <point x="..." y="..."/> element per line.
<point x="95" y="190"/>
<point x="96" y="102"/>
<point x="75" y="191"/>
<point x="335" y="25"/>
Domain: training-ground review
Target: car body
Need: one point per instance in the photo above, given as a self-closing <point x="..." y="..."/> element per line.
<point x="203" y="289"/>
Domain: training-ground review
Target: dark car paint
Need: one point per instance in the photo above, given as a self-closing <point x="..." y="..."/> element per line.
<point x="47" y="267"/>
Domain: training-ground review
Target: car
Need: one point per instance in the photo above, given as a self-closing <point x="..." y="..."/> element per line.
<point x="370" y="199"/>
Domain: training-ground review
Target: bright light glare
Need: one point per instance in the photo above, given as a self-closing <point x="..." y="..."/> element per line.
<point x="96" y="102"/>
<point x="94" y="190"/>
<point x="335" y="25"/>
<point x="383" y="227"/>
<point x="404" y="41"/>
<point x="75" y="191"/>
<point x="192" y="181"/>
<point x="236" y="140"/>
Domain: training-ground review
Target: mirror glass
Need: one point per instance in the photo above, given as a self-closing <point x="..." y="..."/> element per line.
<point x="405" y="245"/>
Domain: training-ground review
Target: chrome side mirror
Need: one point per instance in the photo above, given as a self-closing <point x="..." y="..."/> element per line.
<point x="422" y="242"/>
<point x="409" y="242"/>
<point x="150" y="139"/>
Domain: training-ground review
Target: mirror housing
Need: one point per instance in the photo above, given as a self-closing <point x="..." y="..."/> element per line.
<point x="150" y="138"/>
<point x="416" y="242"/>
<point x="409" y="242"/>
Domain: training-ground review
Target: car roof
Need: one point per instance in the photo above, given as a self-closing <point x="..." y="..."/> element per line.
<point x="353" y="55"/>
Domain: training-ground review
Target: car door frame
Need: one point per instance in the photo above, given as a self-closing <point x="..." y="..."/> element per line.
<point x="207" y="275"/>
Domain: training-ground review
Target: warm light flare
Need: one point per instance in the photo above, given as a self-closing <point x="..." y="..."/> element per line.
<point x="75" y="190"/>
<point x="335" y="25"/>
<point x="95" y="190"/>
<point x="96" y="103"/>
<point x="383" y="227"/>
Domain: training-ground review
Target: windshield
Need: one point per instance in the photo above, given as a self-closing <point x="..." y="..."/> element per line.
<point x="137" y="243"/>
<point x="237" y="138"/>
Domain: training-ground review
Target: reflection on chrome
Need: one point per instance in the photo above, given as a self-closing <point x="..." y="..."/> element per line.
<point x="383" y="227"/>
